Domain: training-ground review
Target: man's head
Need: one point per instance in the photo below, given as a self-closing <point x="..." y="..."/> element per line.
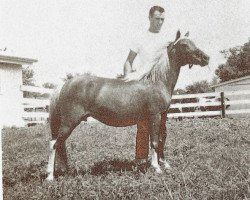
<point x="156" y="18"/>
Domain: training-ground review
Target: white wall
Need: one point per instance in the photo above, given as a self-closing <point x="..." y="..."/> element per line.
<point x="237" y="86"/>
<point x="11" y="95"/>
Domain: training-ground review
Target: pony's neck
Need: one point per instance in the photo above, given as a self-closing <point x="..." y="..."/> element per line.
<point x="174" y="71"/>
<point x="165" y="70"/>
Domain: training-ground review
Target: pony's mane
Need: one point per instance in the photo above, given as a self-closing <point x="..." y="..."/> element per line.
<point x="160" y="66"/>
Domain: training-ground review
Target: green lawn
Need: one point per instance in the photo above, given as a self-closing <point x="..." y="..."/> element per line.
<point x="210" y="160"/>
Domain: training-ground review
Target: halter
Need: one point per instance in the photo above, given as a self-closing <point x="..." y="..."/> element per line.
<point x="185" y="36"/>
<point x="177" y="41"/>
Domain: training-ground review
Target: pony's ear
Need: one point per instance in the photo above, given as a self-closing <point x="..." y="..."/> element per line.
<point x="187" y="34"/>
<point x="178" y="35"/>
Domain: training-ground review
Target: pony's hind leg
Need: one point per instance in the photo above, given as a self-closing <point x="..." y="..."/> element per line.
<point x="68" y="124"/>
<point x="162" y="141"/>
<point x="58" y="146"/>
<point x="154" y="141"/>
<point x="51" y="163"/>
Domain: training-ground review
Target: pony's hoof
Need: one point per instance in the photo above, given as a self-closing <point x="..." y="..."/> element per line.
<point x="167" y="166"/>
<point x="158" y="171"/>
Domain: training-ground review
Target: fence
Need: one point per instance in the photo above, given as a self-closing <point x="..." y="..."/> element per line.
<point x="215" y="104"/>
<point x="224" y="100"/>
<point x="35" y="110"/>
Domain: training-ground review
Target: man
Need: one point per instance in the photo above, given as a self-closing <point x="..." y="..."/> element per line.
<point x="146" y="46"/>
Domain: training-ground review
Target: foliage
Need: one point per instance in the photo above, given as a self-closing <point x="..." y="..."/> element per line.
<point x="179" y="91"/>
<point x="28" y="76"/>
<point x="210" y="161"/>
<point x="28" y="79"/>
<point x="199" y="87"/>
<point x="214" y="81"/>
<point x="68" y="76"/>
<point x="72" y="75"/>
<point x="237" y="64"/>
<point x="49" y="85"/>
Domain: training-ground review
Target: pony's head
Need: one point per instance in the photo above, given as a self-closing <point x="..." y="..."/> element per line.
<point x="182" y="52"/>
<point x="187" y="53"/>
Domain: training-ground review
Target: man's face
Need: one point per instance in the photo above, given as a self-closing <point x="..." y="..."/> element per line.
<point x="156" y="21"/>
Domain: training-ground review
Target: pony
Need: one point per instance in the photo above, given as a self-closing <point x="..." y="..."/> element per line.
<point x="118" y="103"/>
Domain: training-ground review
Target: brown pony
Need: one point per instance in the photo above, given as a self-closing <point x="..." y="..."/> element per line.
<point x="118" y="103"/>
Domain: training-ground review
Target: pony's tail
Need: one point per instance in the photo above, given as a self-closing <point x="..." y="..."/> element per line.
<point x="54" y="114"/>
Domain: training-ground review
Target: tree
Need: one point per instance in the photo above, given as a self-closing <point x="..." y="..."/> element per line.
<point x="237" y="63"/>
<point x="199" y="87"/>
<point x="49" y="85"/>
<point x="214" y="81"/>
<point x="70" y="75"/>
<point x="27" y="76"/>
<point x="179" y="91"/>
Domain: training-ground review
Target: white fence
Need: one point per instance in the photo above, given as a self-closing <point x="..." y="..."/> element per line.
<point x="225" y="101"/>
<point x="36" y="110"/>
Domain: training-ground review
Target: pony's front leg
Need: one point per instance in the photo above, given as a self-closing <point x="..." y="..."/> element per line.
<point x="162" y="141"/>
<point x="142" y="141"/>
<point x="155" y="122"/>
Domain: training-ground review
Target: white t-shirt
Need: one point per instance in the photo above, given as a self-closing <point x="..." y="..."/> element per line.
<point x="147" y="45"/>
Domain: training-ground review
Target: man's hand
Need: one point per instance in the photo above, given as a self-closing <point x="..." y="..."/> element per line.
<point x="127" y="77"/>
<point x="131" y="77"/>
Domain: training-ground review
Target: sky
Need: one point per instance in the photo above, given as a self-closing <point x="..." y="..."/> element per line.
<point x="94" y="36"/>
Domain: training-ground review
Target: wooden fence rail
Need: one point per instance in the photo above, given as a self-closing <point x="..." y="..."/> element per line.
<point x="40" y="90"/>
<point x="223" y="103"/>
<point x="36" y="110"/>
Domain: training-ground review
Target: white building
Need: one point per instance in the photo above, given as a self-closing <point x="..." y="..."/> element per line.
<point x="239" y="84"/>
<point x="11" y="96"/>
<point x="242" y="83"/>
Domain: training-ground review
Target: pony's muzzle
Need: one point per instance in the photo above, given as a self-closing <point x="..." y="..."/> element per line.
<point x="205" y="59"/>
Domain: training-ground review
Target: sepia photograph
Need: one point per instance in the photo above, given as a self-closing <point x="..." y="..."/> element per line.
<point x="115" y="99"/>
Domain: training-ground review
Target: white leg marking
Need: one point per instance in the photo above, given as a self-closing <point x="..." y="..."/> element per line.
<point x="154" y="162"/>
<point x="165" y="163"/>
<point x="51" y="162"/>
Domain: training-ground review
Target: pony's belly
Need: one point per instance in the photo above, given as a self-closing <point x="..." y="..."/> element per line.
<point x="116" y="122"/>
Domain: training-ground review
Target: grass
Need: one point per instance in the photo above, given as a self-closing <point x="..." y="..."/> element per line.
<point x="210" y="160"/>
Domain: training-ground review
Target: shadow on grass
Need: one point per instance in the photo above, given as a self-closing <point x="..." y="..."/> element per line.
<point x="117" y="165"/>
<point x="33" y="172"/>
<point x="36" y="172"/>
<point x="106" y="166"/>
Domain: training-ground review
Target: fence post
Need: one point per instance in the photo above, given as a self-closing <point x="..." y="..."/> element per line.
<point x="223" y="107"/>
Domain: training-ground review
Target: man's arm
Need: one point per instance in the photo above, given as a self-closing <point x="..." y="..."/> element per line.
<point x="128" y="66"/>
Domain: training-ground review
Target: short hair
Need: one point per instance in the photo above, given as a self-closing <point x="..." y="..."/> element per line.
<point x="154" y="8"/>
